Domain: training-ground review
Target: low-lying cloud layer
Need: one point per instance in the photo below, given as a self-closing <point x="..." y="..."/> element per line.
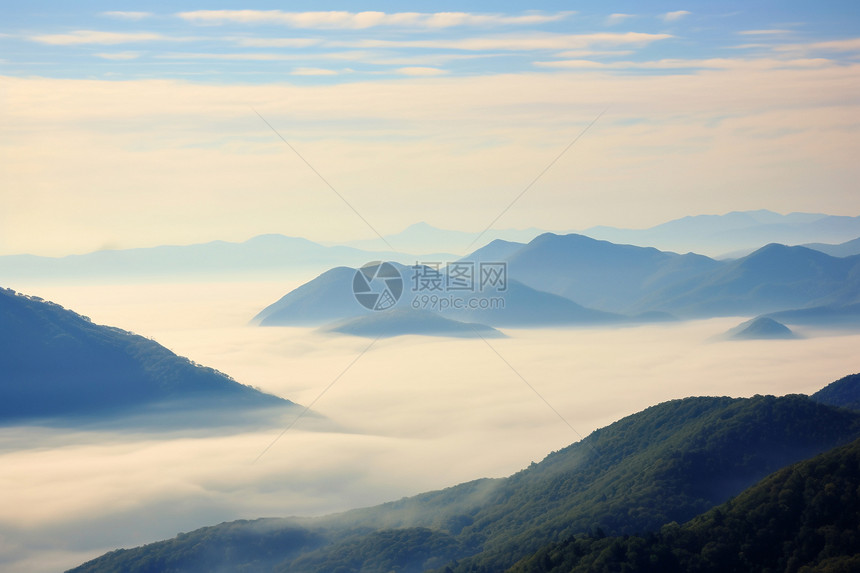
<point x="415" y="413"/>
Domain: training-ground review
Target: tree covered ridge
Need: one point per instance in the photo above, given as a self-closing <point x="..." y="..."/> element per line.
<point x="804" y="518"/>
<point x="668" y="463"/>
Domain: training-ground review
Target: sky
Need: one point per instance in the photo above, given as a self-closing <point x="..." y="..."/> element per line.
<point x="185" y="122"/>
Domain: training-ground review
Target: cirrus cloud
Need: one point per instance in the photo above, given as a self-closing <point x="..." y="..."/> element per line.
<point x="362" y="20"/>
<point x="675" y="16"/>
<point x="96" y="37"/>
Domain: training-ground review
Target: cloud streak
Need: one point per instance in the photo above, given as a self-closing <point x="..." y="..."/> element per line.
<point x="80" y="37"/>
<point x="131" y="16"/>
<point x="364" y="20"/>
<point x="521" y="42"/>
<point x="675" y="16"/>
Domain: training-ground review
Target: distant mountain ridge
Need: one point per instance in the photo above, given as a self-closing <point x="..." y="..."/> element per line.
<point x="715" y="235"/>
<point x="846" y="249"/>
<point x="262" y="255"/>
<point x="424" y="238"/>
<point x="55" y="362"/>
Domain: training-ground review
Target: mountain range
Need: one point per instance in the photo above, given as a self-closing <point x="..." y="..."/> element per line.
<point x="640" y="476"/>
<point x="57" y="363"/>
<point x="424" y="238"/>
<point x="261" y="255"/>
<point x="746" y="231"/>
<point x="574" y="280"/>
<point x="329" y="298"/>
<point x="274" y="254"/>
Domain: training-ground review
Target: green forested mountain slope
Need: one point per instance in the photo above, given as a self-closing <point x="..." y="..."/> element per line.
<point x="803" y="518"/>
<point x="667" y="463"/>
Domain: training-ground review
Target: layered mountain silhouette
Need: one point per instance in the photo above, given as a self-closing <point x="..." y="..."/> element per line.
<point x="424" y="238"/>
<point x="601" y="274"/>
<point x="262" y="255"/>
<point x="736" y="231"/>
<point x="664" y="465"/>
<point x="775" y="277"/>
<point x="846" y="249"/>
<point x="329" y="298"/>
<point x="575" y="280"/>
<point x="826" y="316"/>
<point x="55" y="362"/>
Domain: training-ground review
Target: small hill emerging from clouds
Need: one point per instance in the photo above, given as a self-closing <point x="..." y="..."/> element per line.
<point x="326" y="298"/>
<point x="404" y="321"/>
<point x="55" y="362"/>
<point x="761" y="328"/>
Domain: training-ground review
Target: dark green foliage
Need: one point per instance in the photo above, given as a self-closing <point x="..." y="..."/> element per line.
<point x="803" y="518"/>
<point x="666" y="464"/>
<point x="410" y="550"/>
<point x="239" y="546"/>
<point x="844" y="393"/>
<point x="56" y="362"/>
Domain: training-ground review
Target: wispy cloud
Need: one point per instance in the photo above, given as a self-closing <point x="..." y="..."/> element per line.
<point x="96" y="37"/>
<point x="134" y="16"/>
<point x="265" y="56"/>
<point x="675" y="16"/>
<point x="849" y="45"/>
<point x="522" y="42"/>
<point x="618" y="18"/>
<point x="276" y="42"/>
<point x="313" y="72"/>
<point x="767" y="32"/>
<point x="119" y="55"/>
<point x="682" y="64"/>
<point x="420" y="71"/>
<point x="362" y="20"/>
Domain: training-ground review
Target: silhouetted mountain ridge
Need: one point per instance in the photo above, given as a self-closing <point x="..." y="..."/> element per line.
<point x="55" y="362"/>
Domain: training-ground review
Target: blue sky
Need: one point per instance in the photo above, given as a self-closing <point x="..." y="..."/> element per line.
<point x="133" y="126"/>
<point x="345" y="41"/>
